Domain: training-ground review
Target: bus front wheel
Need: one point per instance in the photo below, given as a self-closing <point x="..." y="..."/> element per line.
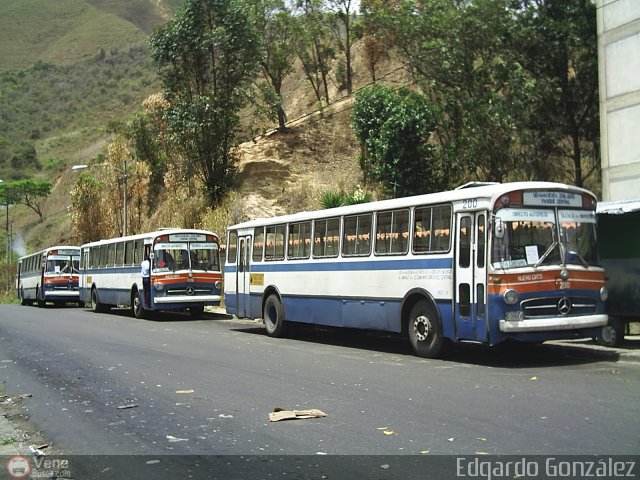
<point x="425" y="330"/>
<point x="136" y="305"/>
<point x="273" y="316"/>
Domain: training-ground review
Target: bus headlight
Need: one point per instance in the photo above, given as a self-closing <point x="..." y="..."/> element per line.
<point x="604" y="294"/>
<point x="218" y="285"/>
<point x="159" y="286"/>
<point x="511" y="297"/>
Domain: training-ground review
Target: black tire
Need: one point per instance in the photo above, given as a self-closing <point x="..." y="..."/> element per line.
<point x="137" y="309"/>
<point x="23" y="301"/>
<point x="273" y="316"/>
<point x="196" y="312"/>
<point x="612" y="333"/>
<point x="39" y="302"/>
<point x="425" y="331"/>
<point x="96" y="306"/>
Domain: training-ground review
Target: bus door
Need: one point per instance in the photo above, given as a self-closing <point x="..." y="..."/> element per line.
<point x="243" y="276"/>
<point x="42" y="282"/>
<point x="82" y="284"/>
<point x="470" y="304"/>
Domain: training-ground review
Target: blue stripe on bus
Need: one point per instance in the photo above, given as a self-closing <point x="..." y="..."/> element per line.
<point x="339" y="312"/>
<point x="341" y="266"/>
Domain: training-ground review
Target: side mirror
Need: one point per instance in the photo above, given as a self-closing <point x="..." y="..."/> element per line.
<point x="498" y="228"/>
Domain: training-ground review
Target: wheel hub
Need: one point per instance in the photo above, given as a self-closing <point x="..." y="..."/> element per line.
<point x="422" y="327"/>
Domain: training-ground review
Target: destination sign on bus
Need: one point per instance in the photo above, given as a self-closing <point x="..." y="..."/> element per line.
<point x="204" y="246"/>
<point x="65" y="252"/>
<point x="187" y="237"/>
<point x="552" y="199"/>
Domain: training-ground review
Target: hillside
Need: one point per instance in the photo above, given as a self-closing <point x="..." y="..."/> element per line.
<point x="65" y="32"/>
<point x="64" y="102"/>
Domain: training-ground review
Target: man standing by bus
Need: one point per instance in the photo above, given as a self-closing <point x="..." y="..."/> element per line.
<point x="145" y="268"/>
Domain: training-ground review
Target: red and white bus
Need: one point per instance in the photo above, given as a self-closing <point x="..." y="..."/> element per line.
<point x="483" y="263"/>
<point x="50" y="275"/>
<point x="184" y="272"/>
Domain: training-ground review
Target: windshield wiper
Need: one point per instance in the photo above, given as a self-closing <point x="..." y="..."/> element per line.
<point x="577" y="255"/>
<point x="546" y="254"/>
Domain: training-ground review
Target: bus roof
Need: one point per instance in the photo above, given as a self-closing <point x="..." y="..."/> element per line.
<point x="48" y="249"/>
<point x="489" y="191"/>
<point x="150" y="235"/>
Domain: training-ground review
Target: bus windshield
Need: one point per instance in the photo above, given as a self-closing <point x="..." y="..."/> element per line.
<point x="533" y="237"/>
<point x="185" y="256"/>
<point x="62" y="265"/>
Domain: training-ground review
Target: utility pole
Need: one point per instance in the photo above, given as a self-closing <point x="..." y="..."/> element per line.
<point x="124" y="197"/>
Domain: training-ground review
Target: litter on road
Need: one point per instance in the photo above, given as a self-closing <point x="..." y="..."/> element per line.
<point x="280" y="414"/>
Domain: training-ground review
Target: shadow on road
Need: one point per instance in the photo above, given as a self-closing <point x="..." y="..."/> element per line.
<point x="506" y="355"/>
<point x="168" y="316"/>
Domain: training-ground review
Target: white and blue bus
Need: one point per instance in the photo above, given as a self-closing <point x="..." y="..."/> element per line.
<point x="183" y="272"/>
<point x="50" y="275"/>
<point x="483" y="263"/>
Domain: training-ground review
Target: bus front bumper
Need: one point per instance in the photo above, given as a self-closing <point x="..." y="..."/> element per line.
<point x="188" y="299"/>
<point x="553" y="323"/>
<point x="61" y="293"/>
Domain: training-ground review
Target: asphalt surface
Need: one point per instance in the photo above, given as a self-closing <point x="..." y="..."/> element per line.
<point x="195" y="395"/>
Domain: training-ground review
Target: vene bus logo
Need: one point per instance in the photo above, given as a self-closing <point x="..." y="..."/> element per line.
<point x="18" y="467"/>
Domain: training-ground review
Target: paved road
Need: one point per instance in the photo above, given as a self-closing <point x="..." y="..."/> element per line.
<point x="109" y="384"/>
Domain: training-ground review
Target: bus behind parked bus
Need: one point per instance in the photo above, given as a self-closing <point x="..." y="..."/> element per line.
<point x="182" y="272"/>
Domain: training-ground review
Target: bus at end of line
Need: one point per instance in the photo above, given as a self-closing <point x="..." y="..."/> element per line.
<point x="49" y="276"/>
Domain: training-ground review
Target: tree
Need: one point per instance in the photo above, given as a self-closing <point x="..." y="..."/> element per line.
<point x="341" y="23"/>
<point x="148" y="137"/>
<point x="557" y="40"/>
<point x="314" y="47"/>
<point x="30" y="193"/>
<point x="396" y="127"/>
<point x="278" y="30"/>
<point x="207" y="57"/>
<point x="87" y="220"/>
<point x="458" y="54"/>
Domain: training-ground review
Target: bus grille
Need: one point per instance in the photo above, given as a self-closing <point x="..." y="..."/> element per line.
<point x="64" y="287"/>
<point x="189" y="291"/>
<point x="561" y="305"/>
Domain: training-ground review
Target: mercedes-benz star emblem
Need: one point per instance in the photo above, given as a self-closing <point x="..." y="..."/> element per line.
<point x="564" y="306"/>
<point x="190" y="291"/>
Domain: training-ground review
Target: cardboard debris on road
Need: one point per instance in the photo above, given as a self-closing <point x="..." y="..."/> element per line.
<point x="280" y="414"/>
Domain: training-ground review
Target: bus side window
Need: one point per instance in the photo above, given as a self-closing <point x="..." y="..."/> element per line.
<point x="392" y="232"/>
<point x="357" y="235"/>
<point x="258" y="244"/>
<point x="138" y="251"/>
<point x="232" y="247"/>
<point x="128" y="253"/>
<point x="274" y="242"/>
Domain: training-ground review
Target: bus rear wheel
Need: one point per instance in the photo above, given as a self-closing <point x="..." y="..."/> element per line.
<point x="425" y="330"/>
<point x="96" y="306"/>
<point x="273" y="316"/>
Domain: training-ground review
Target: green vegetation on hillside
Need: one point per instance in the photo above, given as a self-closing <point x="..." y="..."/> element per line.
<point x="61" y="32"/>
<point x="47" y="100"/>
